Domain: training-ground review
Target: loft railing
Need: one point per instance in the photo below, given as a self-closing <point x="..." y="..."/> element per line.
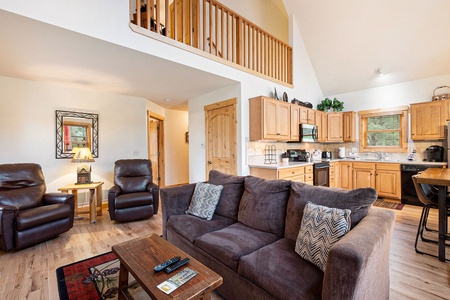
<point x="213" y="28"/>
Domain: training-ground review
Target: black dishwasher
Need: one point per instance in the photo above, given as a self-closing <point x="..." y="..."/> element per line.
<point x="409" y="195"/>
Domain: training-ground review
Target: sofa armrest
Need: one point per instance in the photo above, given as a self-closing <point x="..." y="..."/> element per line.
<point x="175" y="201"/>
<point x="8" y="214"/>
<point x="154" y="190"/>
<point x="358" y="265"/>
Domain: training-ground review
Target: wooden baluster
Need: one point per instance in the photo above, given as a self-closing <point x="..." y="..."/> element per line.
<point x="238" y="40"/>
<point x="210" y="26"/>
<point x="138" y="13"/>
<point x="158" y="17"/>
<point x="216" y="25"/>
<point x="149" y="14"/>
<point x="204" y="25"/>
<point x="167" y="20"/>
<point x="175" y="20"/>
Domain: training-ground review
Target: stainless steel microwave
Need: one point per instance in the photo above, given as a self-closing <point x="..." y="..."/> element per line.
<point x="308" y="133"/>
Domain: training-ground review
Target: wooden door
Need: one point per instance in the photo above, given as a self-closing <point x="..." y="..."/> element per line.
<point x="221" y="137"/>
<point x="428" y="120"/>
<point x="345" y="175"/>
<point x="156" y="147"/>
<point x="349" y="126"/>
<point x="335" y="127"/>
<point x="295" y="127"/>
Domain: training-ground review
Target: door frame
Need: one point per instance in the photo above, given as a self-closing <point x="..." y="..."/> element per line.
<point x="229" y="102"/>
<point x="161" y="160"/>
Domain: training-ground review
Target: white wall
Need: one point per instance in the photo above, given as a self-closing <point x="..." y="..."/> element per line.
<point x="28" y="129"/>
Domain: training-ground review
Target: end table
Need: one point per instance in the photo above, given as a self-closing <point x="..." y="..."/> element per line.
<point x="95" y="191"/>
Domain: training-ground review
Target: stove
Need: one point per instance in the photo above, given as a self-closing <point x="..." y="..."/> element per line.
<point x="321" y="169"/>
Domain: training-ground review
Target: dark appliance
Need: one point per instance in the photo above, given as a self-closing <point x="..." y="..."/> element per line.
<point x="409" y="195"/>
<point x="322" y="173"/>
<point x="321" y="169"/>
<point x="435" y="153"/>
<point x="308" y="133"/>
<point x="326" y="155"/>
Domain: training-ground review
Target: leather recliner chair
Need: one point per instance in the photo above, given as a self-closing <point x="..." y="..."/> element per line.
<point x="134" y="196"/>
<point x="28" y="215"/>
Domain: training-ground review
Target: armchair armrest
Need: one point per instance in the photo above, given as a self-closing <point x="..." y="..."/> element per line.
<point x="358" y="264"/>
<point x="113" y="192"/>
<point x="154" y="190"/>
<point x="8" y="214"/>
<point x="59" y="198"/>
<point x="175" y="201"/>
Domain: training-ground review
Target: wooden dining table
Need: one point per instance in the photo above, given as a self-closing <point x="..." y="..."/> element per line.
<point x="441" y="179"/>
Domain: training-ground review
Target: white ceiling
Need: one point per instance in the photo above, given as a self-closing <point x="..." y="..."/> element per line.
<point x="38" y="51"/>
<point x="347" y="40"/>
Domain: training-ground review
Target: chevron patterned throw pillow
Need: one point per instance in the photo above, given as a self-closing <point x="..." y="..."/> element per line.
<point x="204" y="200"/>
<point x="321" y="227"/>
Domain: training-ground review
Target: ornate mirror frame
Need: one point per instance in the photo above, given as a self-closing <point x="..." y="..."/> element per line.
<point x="85" y="129"/>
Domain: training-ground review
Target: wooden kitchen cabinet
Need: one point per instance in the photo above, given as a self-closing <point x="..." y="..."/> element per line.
<point x="295" y="123"/>
<point x="309" y="175"/>
<point x="428" y="120"/>
<point x="345" y="177"/>
<point x="335" y="127"/>
<point x="269" y="119"/>
<point x="388" y="180"/>
<point x="332" y="174"/>
<point x="321" y="123"/>
<point x="363" y="175"/>
<point x="307" y="115"/>
<point x="300" y="173"/>
<point x="349" y="126"/>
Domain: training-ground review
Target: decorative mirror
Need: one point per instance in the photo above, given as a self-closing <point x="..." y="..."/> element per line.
<point x="76" y="129"/>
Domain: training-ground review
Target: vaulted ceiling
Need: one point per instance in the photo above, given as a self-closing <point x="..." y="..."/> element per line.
<point x="347" y="40"/>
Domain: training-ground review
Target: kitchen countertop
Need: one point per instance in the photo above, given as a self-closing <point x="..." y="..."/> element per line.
<point x="281" y="165"/>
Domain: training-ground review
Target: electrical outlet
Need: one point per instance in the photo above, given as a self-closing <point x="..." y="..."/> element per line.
<point x="135" y="152"/>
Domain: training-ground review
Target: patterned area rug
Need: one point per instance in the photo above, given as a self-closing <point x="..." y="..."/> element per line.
<point x="387" y="204"/>
<point x="93" y="278"/>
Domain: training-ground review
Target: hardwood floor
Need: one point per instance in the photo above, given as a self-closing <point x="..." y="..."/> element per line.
<point x="30" y="273"/>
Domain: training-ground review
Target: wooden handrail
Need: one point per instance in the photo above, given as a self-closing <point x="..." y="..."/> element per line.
<point x="212" y="27"/>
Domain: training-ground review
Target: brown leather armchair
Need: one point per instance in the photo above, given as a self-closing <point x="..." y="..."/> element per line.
<point x="28" y="215"/>
<point x="134" y="196"/>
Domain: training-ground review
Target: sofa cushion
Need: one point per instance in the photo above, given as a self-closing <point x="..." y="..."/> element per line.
<point x="204" y="200"/>
<point x="191" y="227"/>
<point x="321" y="227"/>
<point x="263" y="204"/>
<point x="359" y="201"/>
<point x="233" y="188"/>
<point x="232" y="242"/>
<point x="280" y="271"/>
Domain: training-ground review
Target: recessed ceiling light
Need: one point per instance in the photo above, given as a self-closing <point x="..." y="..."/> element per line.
<point x="168" y="100"/>
<point x="379" y="72"/>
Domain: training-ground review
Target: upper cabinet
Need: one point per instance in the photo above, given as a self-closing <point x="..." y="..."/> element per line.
<point x="349" y="118"/>
<point x="307" y="115"/>
<point x="269" y="119"/>
<point x="428" y="120"/>
<point x="335" y="127"/>
<point x="295" y="121"/>
<point x="322" y="125"/>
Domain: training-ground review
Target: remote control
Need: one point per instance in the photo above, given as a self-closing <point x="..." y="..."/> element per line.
<point x="176" y="265"/>
<point x="165" y="264"/>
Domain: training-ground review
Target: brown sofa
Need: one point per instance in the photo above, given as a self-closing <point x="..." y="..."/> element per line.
<point x="134" y="196"/>
<point x="251" y="238"/>
<point x="27" y="214"/>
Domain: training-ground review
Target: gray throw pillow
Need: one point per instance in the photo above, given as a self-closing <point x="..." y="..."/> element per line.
<point x="321" y="227"/>
<point x="204" y="200"/>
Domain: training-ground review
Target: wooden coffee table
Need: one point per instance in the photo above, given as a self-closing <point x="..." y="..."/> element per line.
<point x="140" y="256"/>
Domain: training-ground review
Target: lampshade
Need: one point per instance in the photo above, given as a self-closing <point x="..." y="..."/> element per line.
<point x="82" y="155"/>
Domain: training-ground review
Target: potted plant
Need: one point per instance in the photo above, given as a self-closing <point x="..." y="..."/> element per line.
<point x="330" y="105"/>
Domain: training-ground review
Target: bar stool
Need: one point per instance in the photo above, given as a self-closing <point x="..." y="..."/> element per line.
<point x="427" y="194"/>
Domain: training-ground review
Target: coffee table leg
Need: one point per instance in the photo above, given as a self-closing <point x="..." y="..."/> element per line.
<point x="123" y="281"/>
<point x="206" y="295"/>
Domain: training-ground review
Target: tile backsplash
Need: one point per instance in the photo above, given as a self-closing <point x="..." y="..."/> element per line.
<point x="256" y="150"/>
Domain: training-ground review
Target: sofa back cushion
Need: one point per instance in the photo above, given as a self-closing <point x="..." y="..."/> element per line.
<point x="263" y="204"/>
<point x="233" y="188"/>
<point x="358" y="201"/>
<point x="21" y="185"/>
<point x="133" y="175"/>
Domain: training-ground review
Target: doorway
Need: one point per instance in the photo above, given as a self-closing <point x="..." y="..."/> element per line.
<point x="220" y="125"/>
<point x="155" y="129"/>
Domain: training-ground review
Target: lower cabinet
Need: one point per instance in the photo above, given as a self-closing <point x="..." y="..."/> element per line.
<point x="363" y="175"/>
<point x="300" y="173"/>
<point x="345" y="177"/>
<point x="332" y="174"/>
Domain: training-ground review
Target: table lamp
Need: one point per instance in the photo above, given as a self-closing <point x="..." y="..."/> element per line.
<point x="83" y="155"/>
